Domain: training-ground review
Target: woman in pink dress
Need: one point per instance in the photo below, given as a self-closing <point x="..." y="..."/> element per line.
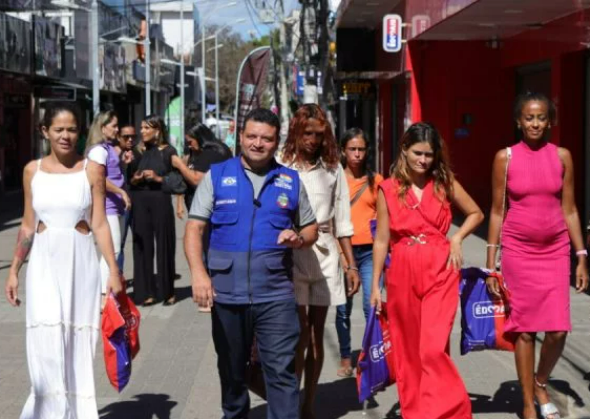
<point x="540" y="222"/>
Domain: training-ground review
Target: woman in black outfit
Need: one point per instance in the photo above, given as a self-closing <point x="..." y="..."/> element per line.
<point x="153" y="215"/>
<point x="202" y="149"/>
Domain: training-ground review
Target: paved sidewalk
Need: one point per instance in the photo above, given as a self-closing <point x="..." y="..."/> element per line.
<point x="175" y="374"/>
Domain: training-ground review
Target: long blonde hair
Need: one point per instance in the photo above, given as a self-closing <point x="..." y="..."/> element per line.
<point x="95" y="135"/>
<point x="440" y="171"/>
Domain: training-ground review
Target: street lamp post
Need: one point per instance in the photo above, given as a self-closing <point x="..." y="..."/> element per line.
<point x="181" y="71"/>
<point x="203" y="61"/>
<point x="216" y="48"/>
<point x="217" y="70"/>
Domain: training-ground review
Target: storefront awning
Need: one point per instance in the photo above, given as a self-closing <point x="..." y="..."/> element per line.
<point x="363" y="13"/>
<point x="495" y="19"/>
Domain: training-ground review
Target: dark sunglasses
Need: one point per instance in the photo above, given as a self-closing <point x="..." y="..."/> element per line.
<point x="128" y="137"/>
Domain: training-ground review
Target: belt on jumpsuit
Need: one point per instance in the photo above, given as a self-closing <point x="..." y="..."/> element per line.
<point x="414" y="240"/>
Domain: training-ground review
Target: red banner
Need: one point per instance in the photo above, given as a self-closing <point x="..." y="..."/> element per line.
<point x="252" y="79"/>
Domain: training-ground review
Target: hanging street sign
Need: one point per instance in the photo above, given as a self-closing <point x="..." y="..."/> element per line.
<point x="392" y="33"/>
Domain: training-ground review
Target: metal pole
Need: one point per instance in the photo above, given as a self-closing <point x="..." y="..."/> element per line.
<point x="204" y="83"/>
<point x="284" y="100"/>
<point x="217" y="87"/>
<point x="148" y="75"/>
<point x="181" y="73"/>
<point x="94" y="69"/>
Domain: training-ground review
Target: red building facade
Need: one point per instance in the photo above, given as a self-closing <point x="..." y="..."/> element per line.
<point x="463" y="65"/>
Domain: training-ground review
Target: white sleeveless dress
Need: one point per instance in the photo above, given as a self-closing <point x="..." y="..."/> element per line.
<point x="62" y="300"/>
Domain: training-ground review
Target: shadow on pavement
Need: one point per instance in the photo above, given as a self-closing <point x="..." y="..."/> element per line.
<point x="146" y="406"/>
<point x="335" y="400"/>
<point x="183" y="293"/>
<point x="507" y="399"/>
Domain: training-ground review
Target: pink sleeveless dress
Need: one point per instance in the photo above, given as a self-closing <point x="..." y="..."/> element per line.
<point x="535" y="242"/>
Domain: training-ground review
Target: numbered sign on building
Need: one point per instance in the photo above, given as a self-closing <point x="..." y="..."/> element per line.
<point x="392" y="33"/>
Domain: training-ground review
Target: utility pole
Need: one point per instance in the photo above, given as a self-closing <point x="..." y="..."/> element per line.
<point x="148" y="76"/>
<point x="94" y="69"/>
<point x="217" y="127"/>
<point x="283" y="77"/>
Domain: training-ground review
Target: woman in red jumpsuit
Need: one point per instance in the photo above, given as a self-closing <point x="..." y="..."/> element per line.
<point x="413" y="217"/>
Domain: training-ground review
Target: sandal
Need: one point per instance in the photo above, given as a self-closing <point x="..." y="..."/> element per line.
<point x="149" y="302"/>
<point x="548" y="410"/>
<point x="170" y="301"/>
<point x="345" y="370"/>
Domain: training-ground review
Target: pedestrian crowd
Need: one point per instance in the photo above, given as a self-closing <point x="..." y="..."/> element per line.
<point x="277" y="235"/>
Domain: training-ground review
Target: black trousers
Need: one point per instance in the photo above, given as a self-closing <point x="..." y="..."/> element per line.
<point x="153" y="224"/>
<point x="276" y="327"/>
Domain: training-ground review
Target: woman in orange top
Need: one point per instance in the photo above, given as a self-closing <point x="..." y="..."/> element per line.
<point x="413" y="219"/>
<point x="362" y="184"/>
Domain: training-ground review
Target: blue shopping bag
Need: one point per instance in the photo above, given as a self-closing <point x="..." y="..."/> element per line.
<point x="482" y="314"/>
<point x="375" y="369"/>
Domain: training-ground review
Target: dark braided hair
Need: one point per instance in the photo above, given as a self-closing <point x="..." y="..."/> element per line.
<point x="358" y="133"/>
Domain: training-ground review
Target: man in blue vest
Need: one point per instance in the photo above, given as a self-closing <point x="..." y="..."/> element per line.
<point x="257" y="211"/>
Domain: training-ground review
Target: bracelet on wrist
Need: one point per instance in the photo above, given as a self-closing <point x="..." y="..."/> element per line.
<point x="582" y="252"/>
<point x="492" y="245"/>
<point x="495" y="274"/>
<point x="352" y="268"/>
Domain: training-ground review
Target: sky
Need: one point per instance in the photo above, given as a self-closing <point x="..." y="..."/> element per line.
<point x="252" y="24"/>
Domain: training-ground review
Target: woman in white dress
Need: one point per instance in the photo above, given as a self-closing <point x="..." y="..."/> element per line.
<point x="317" y="274"/>
<point x="64" y="211"/>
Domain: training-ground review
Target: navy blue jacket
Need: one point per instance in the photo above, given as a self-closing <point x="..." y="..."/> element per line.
<point x="245" y="262"/>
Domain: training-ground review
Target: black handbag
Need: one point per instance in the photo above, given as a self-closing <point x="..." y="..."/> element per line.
<point x="173" y="183"/>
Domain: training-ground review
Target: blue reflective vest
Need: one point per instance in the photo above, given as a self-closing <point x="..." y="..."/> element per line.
<point x="245" y="262"/>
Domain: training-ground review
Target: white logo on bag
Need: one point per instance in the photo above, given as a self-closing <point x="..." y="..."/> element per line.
<point x="377" y="352"/>
<point x="484" y="309"/>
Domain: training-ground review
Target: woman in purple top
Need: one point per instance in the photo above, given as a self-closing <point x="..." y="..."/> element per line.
<point x="101" y="148"/>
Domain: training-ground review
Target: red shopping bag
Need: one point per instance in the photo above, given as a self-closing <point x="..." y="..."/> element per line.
<point x="375" y="368"/>
<point x="120" y="332"/>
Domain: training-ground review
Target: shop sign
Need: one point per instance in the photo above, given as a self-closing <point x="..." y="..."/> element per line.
<point x="357" y="89"/>
<point x="173" y="116"/>
<point x="392" y="33"/>
<point x="420" y="24"/>
<point x="60" y="93"/>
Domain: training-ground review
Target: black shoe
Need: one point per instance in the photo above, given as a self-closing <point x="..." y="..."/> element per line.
<point x="149" y="302"/>
<point x="170" y="301"/>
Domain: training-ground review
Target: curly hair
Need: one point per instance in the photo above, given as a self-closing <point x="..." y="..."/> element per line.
<point x="328" y="150"/>
<point x="440" y="171"/>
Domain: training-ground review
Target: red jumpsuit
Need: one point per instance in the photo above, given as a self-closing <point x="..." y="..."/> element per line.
<point x="422" y="299"/>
